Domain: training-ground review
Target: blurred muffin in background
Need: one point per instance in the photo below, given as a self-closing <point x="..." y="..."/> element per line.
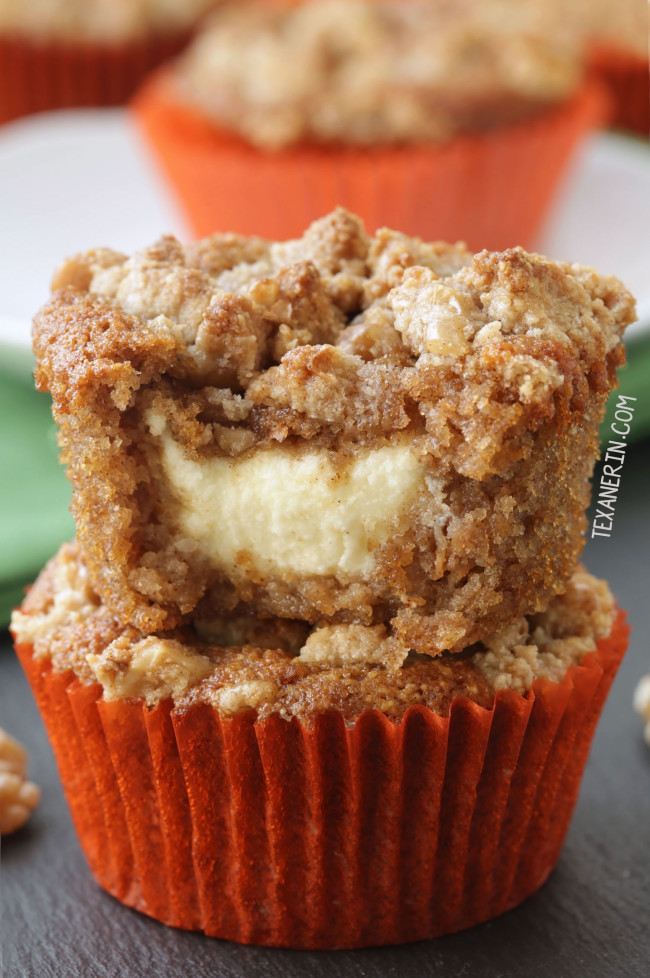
<point x="449" y="120"/>
<point x="619" y="33"/>
<point x="64" y="53"/>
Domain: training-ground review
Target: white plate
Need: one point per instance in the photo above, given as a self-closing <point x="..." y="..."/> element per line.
<point x="78" y="179"/>
<point x="70" y="181"/>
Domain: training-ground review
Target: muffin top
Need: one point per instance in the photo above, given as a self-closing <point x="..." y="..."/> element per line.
<point x="98" y="20"/>
<point x="290" y="668"/>
<point x="360" y="72"/>
<point x="337" y="334"/>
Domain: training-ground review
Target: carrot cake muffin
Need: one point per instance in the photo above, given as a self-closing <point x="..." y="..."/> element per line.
<point x="342" y="428"/>
<point x="354" y="72"/>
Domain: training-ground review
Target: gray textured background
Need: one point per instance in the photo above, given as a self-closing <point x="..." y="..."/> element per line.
<point x="592" y="918"/>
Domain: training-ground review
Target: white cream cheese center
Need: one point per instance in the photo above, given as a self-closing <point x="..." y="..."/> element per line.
<point x="292" y="512"/>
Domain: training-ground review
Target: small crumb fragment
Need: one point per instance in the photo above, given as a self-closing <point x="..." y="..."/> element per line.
<point x="642" y="704"/>
<point x="248" y="695"/>
<point x="18" y="796"/>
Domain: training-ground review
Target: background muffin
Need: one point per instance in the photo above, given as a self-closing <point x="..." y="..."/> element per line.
<point x="442" y="120"/>
<point x="63" y="53"/>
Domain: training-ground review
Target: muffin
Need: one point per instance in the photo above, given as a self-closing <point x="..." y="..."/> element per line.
<point x="275" y="783"/>
<point x="340" y="428"/>
<point x="322" y="669"/>
<point x="61" y="53"/>
<point x="441" y="119"/>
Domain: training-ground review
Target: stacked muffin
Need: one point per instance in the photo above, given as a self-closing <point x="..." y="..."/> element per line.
<point x="322" y="669"/>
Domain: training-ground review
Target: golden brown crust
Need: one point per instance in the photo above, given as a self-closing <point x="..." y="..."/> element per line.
<point x="357" y="72"/>
<point x="496" y="368"/>
<point x="287" y="668"/>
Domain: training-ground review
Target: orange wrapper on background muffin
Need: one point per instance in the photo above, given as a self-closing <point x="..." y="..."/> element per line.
<point x="80" y="53"/>
<point x="469" y="189"/>
<point x="618" y="35"/>
<point x="444" y="123"/>
<point x="331" y="829"/>
<point x="627" y="76"/>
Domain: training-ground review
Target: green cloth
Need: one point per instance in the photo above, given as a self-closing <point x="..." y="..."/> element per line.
<point x="34" y="492"/>
<point x="35" y="495"/>
<point x="634" y="381"/>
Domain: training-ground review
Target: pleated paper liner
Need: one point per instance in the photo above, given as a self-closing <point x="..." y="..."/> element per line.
<point x="37" y="77"/>
<point x="627" y="76"/>
<point x="489" y="189"/>
<point x="330" y="836"/>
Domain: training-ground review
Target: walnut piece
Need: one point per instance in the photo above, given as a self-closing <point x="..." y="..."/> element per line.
<point x="642" y="704"/>
<point x="18" y="796"/>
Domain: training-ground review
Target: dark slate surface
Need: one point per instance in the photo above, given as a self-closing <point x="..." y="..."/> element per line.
<point x="591" y="918"/>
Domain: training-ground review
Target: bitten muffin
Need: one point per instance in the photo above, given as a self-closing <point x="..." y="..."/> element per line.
<point x="342" y="428"/>
<point x="274" y="784"/>
<point x="444" y="119"/>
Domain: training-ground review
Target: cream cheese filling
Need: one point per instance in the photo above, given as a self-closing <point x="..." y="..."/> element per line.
<point x="292" y="512"/>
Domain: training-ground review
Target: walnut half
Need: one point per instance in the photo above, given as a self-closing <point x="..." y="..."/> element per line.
<point x="18" y="796"/>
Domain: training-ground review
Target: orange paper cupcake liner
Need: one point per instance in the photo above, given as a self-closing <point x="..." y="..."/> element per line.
<point x="490" y="189"/>
<point x="38" y="77"/>
<point x="330" y="836"/>
<point x="627" y="77"/>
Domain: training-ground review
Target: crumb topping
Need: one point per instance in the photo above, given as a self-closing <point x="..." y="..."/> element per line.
<point x="295" y="670"/>
<point x="548" y="643"/>
<point x="108" y="21"/>
<point x="357" y="72"/>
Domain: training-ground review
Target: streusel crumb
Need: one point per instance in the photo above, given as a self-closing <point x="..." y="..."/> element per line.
<point x="357" y="72"/>
<point x="296" y="670"/>
<point x="106" y="21"/>
<point x="18" y="796"/>
<point x="342" y="429"/>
